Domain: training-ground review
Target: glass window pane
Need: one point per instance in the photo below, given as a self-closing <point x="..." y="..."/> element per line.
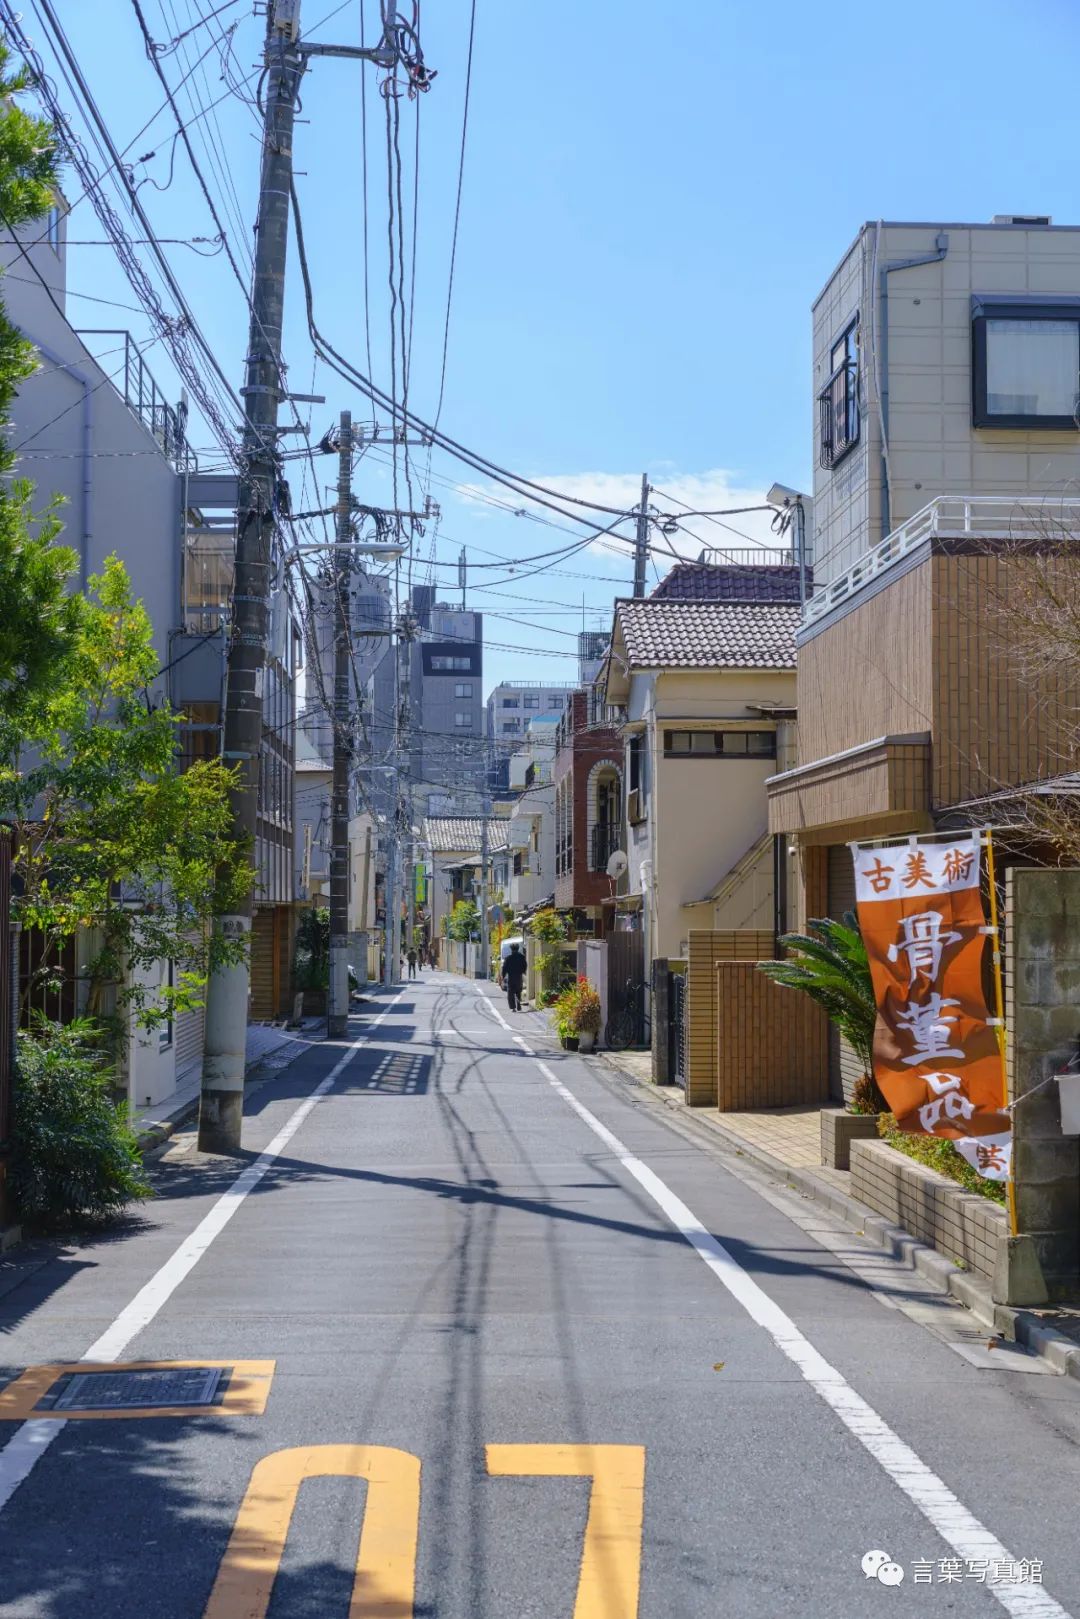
<point x="734" y="741"/>
<point x="1032" y="367"/>
<point x="702" y="742"/>
<point x="760" y="742"/>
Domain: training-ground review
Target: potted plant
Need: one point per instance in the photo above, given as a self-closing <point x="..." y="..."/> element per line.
<point x="586" y="1013"/>
<point x="829" y="964"/>
<point x="576" y="1014"/>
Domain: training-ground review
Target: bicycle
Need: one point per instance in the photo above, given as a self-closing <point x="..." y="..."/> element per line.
<point x="624" y="1025"/>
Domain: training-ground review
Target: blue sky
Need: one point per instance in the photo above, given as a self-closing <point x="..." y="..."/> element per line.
<point x="652" y="198"/>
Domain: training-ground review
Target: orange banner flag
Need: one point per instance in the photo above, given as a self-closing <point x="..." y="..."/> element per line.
<point x="936" y="1052"/>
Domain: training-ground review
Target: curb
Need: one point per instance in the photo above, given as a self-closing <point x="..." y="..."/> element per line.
<point x="1014" y="1324"/>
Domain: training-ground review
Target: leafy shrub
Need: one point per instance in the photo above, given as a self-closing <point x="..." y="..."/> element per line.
<point x="866" y="1096"/>
<point x="74" y="1155"/>
<point x="937" y="1152"/>
<point x="577" y="1010"/>
<point x="311" y="961"/>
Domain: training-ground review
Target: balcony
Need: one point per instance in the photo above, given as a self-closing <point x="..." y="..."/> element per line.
<point x="141" y="394"/>
<point x="603" y="842"/>
<point x="977" y="517"/>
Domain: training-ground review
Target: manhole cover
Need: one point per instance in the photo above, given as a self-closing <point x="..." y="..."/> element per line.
<point x="118" y="1391"/>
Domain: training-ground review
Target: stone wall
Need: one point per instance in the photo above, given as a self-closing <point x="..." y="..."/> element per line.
<point x="1042" y="1021"/>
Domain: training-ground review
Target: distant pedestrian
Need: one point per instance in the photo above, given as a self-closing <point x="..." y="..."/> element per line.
<point x="411" y="958"/>
<point x="512" y="975"/>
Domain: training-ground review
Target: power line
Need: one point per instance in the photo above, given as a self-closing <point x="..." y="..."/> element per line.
<point x="457" y="213"/>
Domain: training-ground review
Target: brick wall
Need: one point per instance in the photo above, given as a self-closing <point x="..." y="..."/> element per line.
<point x="1042" y="1021"/>
<point x="584" y="747"/>
<point x="959" y="1224"/>
<point x="771" y="1042"/>
<point x="750" y="1043"/>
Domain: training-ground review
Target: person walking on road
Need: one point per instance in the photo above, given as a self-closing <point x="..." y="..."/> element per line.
<point x="411" y="958"/>
<point x="512" y="976"/>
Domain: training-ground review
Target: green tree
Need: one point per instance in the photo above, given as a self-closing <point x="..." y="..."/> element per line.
<point x="464" y="922"/>
<point x="39" y="620"/>
<point x="111" y="839"/>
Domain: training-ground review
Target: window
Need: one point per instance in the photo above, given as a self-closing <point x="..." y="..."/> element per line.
<point x="634" y="763"/>
<point x="555" y="702"/>
<point x="52" y="228"/>
<point x="838" y="401"/>
<point x="530" y="702"/>
<point x="463" y="689"/>
<point x="463" y="722"/>
<point x="509" y="702"/>
<point x="1025" y="369"/>
<point x="443" y="663"/>
<point x="511" y="727"/>
<point x="720" y="744"/>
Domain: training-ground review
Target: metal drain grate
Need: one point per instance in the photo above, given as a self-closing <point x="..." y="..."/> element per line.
<point x="120" y="1390"/>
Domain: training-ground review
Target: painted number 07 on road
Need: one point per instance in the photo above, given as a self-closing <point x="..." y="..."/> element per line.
<point x="385" y="1580"/>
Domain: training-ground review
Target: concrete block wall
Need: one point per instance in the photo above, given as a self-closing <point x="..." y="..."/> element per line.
<point x="1042" y="1020"/>
<point x="962" y="1225"/>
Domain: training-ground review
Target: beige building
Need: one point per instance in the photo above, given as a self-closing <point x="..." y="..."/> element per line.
<point x="947" y="376"/>
<point x="707" y="685"/>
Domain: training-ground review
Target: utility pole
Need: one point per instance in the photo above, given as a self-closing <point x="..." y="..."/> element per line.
<point x="337" y="1022"/>
<point x="485" y="885"/>
<point x="221" y="1102"/>
<point x="641" y="546"/>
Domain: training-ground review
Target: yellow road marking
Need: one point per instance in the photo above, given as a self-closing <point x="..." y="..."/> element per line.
<point x="246" y="1395"/>
<point x="610" y="1578"/>
<point x="385" y="1581"/>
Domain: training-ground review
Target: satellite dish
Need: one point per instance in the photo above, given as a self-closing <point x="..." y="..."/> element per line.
<point x="617" y="865"/>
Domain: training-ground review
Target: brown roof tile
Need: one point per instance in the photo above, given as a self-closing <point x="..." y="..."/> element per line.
<point x="664" y="633"/>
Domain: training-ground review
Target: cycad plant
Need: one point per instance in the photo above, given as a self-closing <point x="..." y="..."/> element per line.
<point x="829" y="964"/>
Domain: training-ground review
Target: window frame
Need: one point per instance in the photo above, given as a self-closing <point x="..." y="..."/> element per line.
<point x="463" y="689"/>
<point x="1021" y="306"/>
<point x="829" y="456"/>
<point x="463" y="721"/>
<point x="719" y="752"/>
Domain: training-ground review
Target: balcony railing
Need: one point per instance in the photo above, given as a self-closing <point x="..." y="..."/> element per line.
<point x="603" y="843"/>
<point x="144" y="398"/>
<point x="838" y="412"/>
<point x="984" y="517"/>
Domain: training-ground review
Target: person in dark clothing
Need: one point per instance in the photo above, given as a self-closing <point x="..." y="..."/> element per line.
<point x="411" y="958"/>
<point x="513" y="977"/>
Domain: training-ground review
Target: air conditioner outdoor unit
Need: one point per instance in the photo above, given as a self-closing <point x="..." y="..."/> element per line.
<point x="635" y="808"/>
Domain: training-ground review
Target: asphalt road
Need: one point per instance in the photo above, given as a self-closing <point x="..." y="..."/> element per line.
<point x="537" y="1338"/>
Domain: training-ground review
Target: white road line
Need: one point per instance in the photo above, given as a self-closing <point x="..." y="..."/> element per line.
<point x="32" y="1439"/>
<point x="958" y="1527"/>
<point x="494" y="1010"/>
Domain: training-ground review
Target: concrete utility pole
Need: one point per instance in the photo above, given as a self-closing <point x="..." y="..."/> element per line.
<point x="285" y="56"/>
<point x="222" y="1100"/>
<point x="485" y="886"/>
<point x="337" y="1022"/>
<point x="641" y="546"/>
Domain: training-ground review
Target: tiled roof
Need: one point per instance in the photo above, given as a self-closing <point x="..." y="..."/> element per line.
<point x="461" y="834"/>
<point x="666" y="634"/>
<point x="713" y="581"/>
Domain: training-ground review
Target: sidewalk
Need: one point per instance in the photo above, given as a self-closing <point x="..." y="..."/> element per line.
<point x="786" y="1144"/>
<point x="268" y="1050"/>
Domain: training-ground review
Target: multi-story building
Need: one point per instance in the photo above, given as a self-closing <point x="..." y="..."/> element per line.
<point x="447" y="702"/>
<point x="705" y="682"/>
<point x="588" y="777"/>
<point x="511" y="706"/>
<point x="525" y="870"/>
<point x="92" y="425"/>
<point x="947" y="378"/>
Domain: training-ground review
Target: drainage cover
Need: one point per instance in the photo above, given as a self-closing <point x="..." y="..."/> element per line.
<point x="120" y="1390"/>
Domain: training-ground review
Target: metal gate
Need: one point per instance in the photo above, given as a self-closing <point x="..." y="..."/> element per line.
<point x="677" y="1027"/>
<point x="626" y="980"/>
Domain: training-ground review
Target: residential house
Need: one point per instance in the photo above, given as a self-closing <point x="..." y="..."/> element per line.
<point x="524" y="871"/>
<point x="706" y="682"/>
<point x="93" y="426"/>
<point x="588" y="779"/>
<point x="946" y="375"/>
<point x="456" y="847"/>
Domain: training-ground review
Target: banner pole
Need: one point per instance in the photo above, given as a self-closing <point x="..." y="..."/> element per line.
<point x="999" y="1009"/>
